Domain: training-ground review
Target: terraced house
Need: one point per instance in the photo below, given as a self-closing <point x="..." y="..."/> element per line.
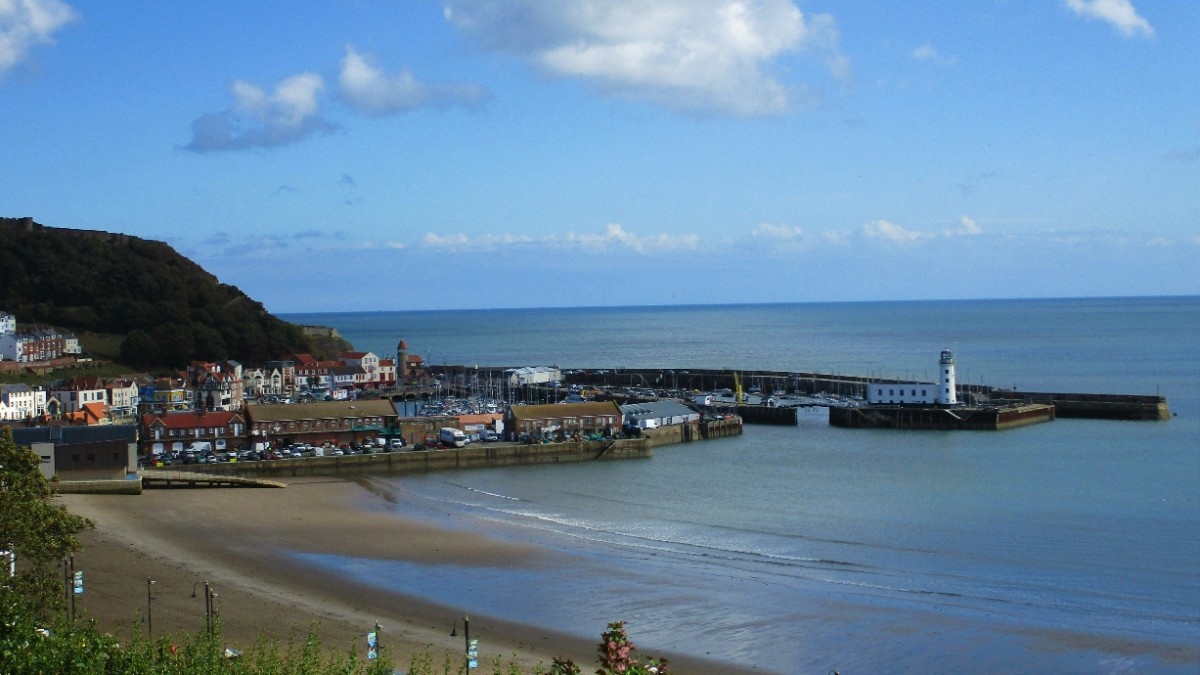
<point x="175" y="431"/>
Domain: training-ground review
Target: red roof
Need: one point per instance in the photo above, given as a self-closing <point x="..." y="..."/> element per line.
<point x="193" y="420"/>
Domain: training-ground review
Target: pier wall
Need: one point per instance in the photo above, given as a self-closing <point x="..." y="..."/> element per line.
<point x="1068" y="405"/>
<point x="476" y="456"/>
<point x="940" y="419"/>
<point x="1092" y="406"/>
<point x="695" y="431"/>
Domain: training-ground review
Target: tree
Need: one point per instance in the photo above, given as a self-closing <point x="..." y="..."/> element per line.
<point x="34" y="530"/>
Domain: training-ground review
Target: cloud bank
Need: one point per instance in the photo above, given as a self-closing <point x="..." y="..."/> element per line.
<point x="370" y="91"/>
<point x="704" y="56"/>
<point x="261" y="120"/>
<point x="25" y="23"/>
<point x="1120" y="14"/>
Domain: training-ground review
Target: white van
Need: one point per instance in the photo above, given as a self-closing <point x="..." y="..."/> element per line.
<point x="452" y="437"/>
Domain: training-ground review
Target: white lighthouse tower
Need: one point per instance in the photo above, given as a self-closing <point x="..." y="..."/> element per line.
<point x="947" y="391"/>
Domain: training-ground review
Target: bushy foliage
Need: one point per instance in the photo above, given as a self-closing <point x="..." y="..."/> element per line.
<point x="38" y="533"/>
<point x="173" y="311"/>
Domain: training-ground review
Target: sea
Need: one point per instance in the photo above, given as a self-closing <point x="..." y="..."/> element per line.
<point x="1071" y="546"/>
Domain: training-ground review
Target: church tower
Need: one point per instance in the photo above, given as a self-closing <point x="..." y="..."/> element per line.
<point x="947" y="385"/>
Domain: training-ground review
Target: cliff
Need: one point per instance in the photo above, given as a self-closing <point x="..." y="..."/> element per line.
<point x="170" y="310"/>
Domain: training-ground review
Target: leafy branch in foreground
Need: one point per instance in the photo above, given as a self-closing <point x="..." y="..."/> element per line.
<point x="34" y="534"/>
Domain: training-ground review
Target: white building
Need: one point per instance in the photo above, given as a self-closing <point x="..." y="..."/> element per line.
<point x="123" y="396"/>
<point x="655" y="414"/>
<point x="23" y="401"/>
<point x="944" y="392"/>
<point x="536" y="375"/>
<point x="8" y="323"/>
<point x="79" y="392"/>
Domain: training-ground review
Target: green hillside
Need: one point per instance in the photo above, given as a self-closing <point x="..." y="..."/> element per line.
<point x="169" y="309"/>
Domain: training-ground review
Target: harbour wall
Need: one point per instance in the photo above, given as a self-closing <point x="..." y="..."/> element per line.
<point x="693" y="431"/>
<point x="1067" y="405"/>
<point x="940" y="419"/>
<point x="1091" y="406"/>
<point x="475" y="456"/>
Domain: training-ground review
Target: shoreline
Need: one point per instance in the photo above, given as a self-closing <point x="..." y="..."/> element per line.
<point x="240" y="541"/>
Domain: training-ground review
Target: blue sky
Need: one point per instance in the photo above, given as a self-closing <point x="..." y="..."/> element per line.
<point x="358" y="154"/>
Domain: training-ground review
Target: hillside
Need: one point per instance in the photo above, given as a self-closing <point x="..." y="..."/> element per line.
<point x="170" y="310"/>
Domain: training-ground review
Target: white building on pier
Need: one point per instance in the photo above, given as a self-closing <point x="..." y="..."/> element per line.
<point x="943" y="393"/>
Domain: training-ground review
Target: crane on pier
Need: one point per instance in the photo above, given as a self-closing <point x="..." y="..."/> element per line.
<point x="737" y="389"/>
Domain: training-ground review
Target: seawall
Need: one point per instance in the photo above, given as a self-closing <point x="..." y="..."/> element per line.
<point x="1092" y="406"/>
<point x="476" y="456"/>
<point x="694" y="431"/>
<point x="940" y="419"/>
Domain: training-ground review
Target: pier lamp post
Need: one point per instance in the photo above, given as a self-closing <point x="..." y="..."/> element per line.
<point x="149" y="607"/>
<point x="466" y="622"/>
<point x="209" y="604"/>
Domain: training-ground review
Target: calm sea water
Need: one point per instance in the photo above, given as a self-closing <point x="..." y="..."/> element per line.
<point x="1073" y="545"/>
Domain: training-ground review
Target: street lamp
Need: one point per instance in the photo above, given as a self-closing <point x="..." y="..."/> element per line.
<point x="149" y="607"/>
<point x="209" y="603"/>
<point x="466" y="622"/>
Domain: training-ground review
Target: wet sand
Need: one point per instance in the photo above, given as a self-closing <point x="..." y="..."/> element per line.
<point x="238" y="540"/>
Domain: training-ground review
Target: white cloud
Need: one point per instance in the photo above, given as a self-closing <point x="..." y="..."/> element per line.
<point x="888" y="231"/>
<point x="1119" y="13"/>
<point x="25" y="23"/>
<point x="613" y="236"/>
<point x="966" y="227"/>
<point x="259" y="120"/>
<point x="788" y="234"/>
<point x="927" y="52"/>
<point x="369" y="90"/>
<point x="706" y="56"/>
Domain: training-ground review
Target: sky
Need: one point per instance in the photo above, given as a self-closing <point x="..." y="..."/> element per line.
<point x="353" y="155"/>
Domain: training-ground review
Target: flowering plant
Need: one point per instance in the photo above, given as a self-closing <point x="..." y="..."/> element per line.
<point x="618" y="655"/>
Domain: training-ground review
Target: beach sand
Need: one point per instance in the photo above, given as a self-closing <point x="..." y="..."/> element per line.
<point x="238" y="540"/>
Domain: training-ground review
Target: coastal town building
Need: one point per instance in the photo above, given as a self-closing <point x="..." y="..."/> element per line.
<point x="175" y="431"/>
<point x="519" y="377"/>
<point x="655" y="414"/>
<point x="562" y="420"/>
<point x="31" y="346"/>
<point x="77" y="392"/>
<point x="82" y="452"/>
<point x="262" y="382"/>
<point x="124" y="396"/>
<point x="318" y="423"/>
<point x="216" y="385"/>
<point x="166" y="394"/>
<point x="411" y="368"/>
<point x="22" y="402"/>
<point x="287" y="374"/>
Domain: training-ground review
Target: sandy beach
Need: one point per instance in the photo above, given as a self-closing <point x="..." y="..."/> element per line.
<point x="238" y="540"/>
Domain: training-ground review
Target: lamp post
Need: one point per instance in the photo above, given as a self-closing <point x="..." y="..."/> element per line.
<point x="209" y="604"/>
<point x="149" y="607"/>
<point x="466" y="622"/>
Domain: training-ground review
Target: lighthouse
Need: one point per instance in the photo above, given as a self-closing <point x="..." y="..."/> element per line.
<point x="947" y="392"/>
